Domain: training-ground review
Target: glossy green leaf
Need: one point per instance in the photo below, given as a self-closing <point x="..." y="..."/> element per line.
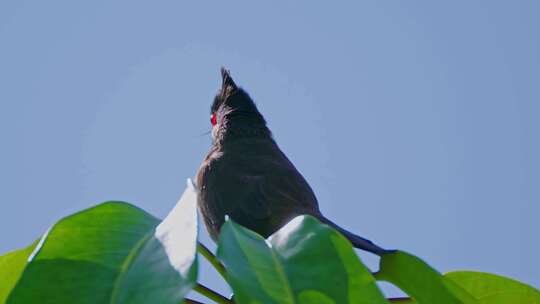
<point x="494" y="289"/>
<point x="11" y="267"/>
<point x="113" y="253"/>
<point x="253" y="270"/>
<point x="416" y="278"/>
<point x="304" y="262"/>
<point x="78" y="259"/>
<point x="147" y="276"/>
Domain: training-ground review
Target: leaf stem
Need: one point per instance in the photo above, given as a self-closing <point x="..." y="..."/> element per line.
<point x="210" y="294"/>
<point x="210" y="257"/>
<point x="400" y="300"/>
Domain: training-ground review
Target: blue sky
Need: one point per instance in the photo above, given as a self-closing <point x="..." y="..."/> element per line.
<point x="415" y="122"/>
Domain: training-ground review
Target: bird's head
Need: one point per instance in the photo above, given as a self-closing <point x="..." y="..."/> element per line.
<point x="234" y="110"/>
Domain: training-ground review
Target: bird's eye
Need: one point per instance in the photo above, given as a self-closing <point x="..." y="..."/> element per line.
<point x="213" y="119"/>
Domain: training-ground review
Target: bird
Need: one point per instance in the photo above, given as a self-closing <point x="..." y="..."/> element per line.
<point x="247" y="177"/>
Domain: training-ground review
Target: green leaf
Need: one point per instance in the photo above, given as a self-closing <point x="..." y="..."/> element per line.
<point x="79" y="257"/>
<point x="416" y="278"/>
<point x="493" y="289"/>
<point x="253" y="269"/>
<point x="112" y="253"/>
<point x="304" y="262"/>
<point x="147" y="276"/>
<point x="11" y="267"/>
<point x="314" y="254"/>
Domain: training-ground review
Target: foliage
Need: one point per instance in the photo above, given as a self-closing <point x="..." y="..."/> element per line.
<point x="117" y="253"/>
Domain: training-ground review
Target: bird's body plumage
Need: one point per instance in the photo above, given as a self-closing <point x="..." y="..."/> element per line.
<point x="255" y="184"/>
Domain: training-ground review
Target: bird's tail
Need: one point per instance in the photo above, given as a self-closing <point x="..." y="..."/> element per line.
<point x="357" y="241"/>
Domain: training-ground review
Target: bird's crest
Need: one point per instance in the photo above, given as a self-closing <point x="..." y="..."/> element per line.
<point x="227" y="86"/>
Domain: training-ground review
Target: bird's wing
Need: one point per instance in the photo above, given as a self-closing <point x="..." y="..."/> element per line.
<point x="259" y="189"/>
<point x="253" y="198"/>
<point x="266" y="188"/>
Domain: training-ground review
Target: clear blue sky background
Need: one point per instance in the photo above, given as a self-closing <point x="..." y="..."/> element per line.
<point x="415" y="122"/>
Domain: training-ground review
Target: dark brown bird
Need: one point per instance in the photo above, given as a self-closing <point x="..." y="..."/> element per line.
<point x="247" y="177"/>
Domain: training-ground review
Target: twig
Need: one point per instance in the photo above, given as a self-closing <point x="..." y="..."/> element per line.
<point x="212" y="295"/>
<point x="210" y="257"/>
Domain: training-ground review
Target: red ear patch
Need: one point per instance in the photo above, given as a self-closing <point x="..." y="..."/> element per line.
<point x="213" y="119"/>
